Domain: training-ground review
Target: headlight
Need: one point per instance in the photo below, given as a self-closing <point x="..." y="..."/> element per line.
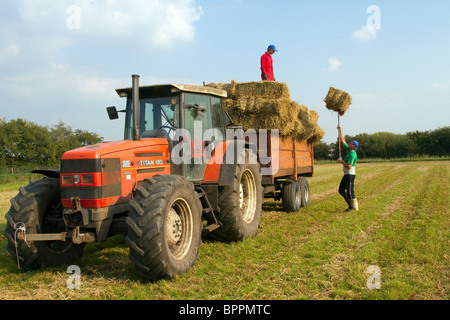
<point x="87" y="179"/>
<point x="67" y="180"/>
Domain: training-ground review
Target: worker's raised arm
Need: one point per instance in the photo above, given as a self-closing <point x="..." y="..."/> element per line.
<point x="341" y="135"/>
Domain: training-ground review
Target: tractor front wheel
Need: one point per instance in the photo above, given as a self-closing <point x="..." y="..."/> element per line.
<point x="37" y="208"/>
<point x="164" y="227"/>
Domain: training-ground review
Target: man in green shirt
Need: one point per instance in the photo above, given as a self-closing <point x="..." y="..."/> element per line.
<point x="346" y="188"/>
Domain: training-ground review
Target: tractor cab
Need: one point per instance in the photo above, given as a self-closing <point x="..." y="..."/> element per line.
<point x="179" y="113"/>
<point x="164" y="108"/>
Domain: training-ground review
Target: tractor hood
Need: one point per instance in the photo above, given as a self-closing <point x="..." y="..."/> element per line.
<point x="106" y="174"/>
<point x="108" y="149"/>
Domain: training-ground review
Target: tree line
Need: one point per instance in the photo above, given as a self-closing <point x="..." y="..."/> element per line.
<point x="386" y="145"/>
<point x="24" y="143"/>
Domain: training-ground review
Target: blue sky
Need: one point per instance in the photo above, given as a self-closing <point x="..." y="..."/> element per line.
<point x="63" y="60"/>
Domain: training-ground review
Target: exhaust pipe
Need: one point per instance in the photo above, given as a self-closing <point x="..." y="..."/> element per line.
<point x="135" y="97"/>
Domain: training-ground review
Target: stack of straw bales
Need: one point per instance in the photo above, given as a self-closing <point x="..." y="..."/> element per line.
<point x="268" y="105"/>
<point x="338" y="100"/>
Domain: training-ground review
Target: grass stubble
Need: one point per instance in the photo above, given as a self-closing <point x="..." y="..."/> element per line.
<point x="320" y="252"/>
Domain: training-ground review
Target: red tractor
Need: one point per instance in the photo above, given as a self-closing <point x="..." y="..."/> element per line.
<point x="174" y="177"/>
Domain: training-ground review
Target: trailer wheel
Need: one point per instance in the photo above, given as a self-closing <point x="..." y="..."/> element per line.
<point x="38" y="208"/>
<point x="164" y="227"/>
<point x="291" y="195"/>
<point x="304" y="190"/>
<point x="241" y="203"/>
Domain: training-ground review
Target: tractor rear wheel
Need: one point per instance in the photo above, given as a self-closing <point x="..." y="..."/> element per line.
<point x="164" y="227"/>
<point x="38" y="208"/>
<point x="241" y="203"/>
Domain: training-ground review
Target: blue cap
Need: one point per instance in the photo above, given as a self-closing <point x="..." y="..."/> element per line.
<point x="273" y="48"/>
<point x="356" y="144"/>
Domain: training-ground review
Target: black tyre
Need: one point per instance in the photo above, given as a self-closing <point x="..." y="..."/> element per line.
<point x="304" y="191"/>
<point x="164" y="227"/>
<point x="291" y="195"/>
<point x="38" y="208"/>
<point x="241" y="203"/>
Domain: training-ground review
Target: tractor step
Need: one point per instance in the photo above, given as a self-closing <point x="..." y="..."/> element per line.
<point x="210" y="228"/>
<point x="207" y="210"/>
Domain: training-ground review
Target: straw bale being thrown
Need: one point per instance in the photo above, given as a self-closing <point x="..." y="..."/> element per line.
<point x="267" y="105"/>
<point x="338" y="100"/>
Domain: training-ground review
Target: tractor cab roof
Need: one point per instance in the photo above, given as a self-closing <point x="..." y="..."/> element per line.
<point x="162" y="90"/>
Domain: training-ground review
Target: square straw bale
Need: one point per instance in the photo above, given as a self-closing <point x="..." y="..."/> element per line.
<point x="338" y="100"/>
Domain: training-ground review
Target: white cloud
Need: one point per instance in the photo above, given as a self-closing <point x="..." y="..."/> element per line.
<point x="37" y="46"/>
<point x="9" y="51"/>
<point x="334" y="64"/>
<point x="12" y="49"/>
<point x="366" y="33"/>
<point x="147" y="22"/>
<point x="51" y="71"/>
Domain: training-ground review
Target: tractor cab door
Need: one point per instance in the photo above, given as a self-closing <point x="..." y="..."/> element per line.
<point x="204" y="122"/>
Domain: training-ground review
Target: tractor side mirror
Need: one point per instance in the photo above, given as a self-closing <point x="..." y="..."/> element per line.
<point x="112" y="113"/>
<point x="200" y="109"/>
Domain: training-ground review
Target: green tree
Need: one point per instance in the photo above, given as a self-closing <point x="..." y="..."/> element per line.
<point x="433" y="143"/>
<point x="86" y="138"/>
<point x="440" y="142"/>
<point x="421" y="141"/>
<point x="25" y="143"/>
<point x="63" y="138"/>
<point x="322" y="151"/>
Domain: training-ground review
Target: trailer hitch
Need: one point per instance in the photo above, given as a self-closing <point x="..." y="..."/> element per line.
<point x="79" y="238"/>
<point x="76" y="215"/>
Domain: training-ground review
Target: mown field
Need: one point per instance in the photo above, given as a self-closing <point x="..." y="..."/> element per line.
<point x="320" y="252"/>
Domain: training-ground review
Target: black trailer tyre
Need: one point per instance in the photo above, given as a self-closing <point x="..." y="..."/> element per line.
<point x="164" y="227"/>
<point x="38" y="208"/>
<point x="241" y="203"/>
<point x="304" y="190"/>
<point x="291" y="195"/>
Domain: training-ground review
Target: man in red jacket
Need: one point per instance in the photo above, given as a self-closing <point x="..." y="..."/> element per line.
<point x="267" y="64"/>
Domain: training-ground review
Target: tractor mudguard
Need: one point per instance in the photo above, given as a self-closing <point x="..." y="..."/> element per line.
<point x="48" y="173"/>
<point x="222" y="165"/>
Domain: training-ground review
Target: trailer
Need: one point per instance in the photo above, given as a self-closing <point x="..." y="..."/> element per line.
<point x="286" y="163"/>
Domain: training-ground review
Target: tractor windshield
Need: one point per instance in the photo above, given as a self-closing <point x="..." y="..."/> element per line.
<point x="159" y="117"/>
